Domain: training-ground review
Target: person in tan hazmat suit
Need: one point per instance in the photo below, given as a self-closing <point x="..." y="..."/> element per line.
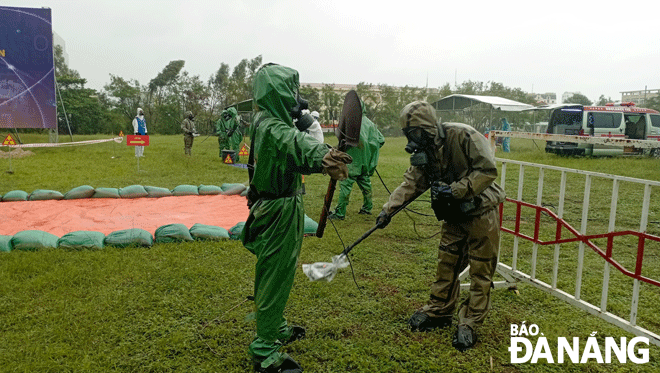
<point x="456" y="163"/>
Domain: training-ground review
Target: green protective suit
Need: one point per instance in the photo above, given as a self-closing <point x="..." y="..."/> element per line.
<point x="365" y="160"/>
<point x="229" y="132"/>
<point x="274" y="228"/>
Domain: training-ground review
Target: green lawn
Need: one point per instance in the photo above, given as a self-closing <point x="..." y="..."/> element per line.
<point x="182" y="307"/>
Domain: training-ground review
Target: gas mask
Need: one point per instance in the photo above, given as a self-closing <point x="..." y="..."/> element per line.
<point x="302" y="120"/>
<point x="419" y="142"/>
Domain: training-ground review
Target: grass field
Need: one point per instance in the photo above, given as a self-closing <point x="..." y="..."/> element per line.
<point x="182" y="307"/>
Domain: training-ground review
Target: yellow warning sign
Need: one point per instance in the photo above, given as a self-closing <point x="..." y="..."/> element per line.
<point x="244" y="150"/>
<point x="9" y="140"/>
<point x="228" y="160"/>
<point x="121" y="133"/>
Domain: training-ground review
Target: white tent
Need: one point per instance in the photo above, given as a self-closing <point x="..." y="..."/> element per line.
<point x="460" y="102"/>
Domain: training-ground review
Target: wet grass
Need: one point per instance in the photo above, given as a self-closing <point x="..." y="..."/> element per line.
<point x="182" y="307"/>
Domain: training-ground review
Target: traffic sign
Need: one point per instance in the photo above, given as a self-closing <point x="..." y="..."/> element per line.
<point x="9" y="140"/>
<point x="228" y="159"/>
<point x="137" y="140"/>
<point x="121" y="133"/>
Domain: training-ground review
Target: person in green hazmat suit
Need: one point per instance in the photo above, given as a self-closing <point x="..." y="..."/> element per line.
<point x="230" y="135"/>
<point x="456" y="162"/>
<point x="280" y="153"/>
<point x="365" y="160"/>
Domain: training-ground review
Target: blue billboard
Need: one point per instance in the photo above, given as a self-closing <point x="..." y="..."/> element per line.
<point x="27" y="69"/>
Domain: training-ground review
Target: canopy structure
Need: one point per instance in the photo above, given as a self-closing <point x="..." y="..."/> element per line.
<point x="478" y="110"/>
<point x="460" y="102"/>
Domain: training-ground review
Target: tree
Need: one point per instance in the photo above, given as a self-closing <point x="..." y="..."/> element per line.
<point x="332" y="103"/>
<point x="602" y="101"/>
<point x="125" y="96"/>
<point x="78" y="108"/>
<point x="578" y="98"/>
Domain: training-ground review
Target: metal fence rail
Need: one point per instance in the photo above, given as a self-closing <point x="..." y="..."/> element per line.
<point x="512" y="273"/>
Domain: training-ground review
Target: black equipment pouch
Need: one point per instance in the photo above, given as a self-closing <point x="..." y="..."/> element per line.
<point x="448" y="208"/>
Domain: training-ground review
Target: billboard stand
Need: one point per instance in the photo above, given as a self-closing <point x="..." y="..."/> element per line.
<point x="66" y="117"/>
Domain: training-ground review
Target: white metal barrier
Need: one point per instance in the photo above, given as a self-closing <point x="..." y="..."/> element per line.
<point x="550" y="229"/>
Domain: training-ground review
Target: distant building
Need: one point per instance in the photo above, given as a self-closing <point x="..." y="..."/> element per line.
<point x="639" y="97"/>
<point x="544" y="98"/>
<point x="567" y="95"/>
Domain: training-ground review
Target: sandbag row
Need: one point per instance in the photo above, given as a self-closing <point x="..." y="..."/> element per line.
<point x="35" y="239"/>
<point x="31" y="240"/>
<point x="132" y="191"/>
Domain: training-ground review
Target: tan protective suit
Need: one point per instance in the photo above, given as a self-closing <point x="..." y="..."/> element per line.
<point x="188" y="128"/>
<point x="463" y="160"/>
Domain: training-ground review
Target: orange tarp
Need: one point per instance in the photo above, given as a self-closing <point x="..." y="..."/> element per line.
<point x="107" y="215"/>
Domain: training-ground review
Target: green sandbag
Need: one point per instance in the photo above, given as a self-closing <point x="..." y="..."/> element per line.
<point x="156" y="192"/>
<point x="83" y="191"/>
<point x="106" y="193"/>
<point x="205" y="190"/>
<point x="235" y="231"/>
<point x="232" y="189"/>
<point x="172" y="233"/>
<point x="45" y="194"/>
<point x="129" y="237"/>
<point x="81" y="240"/>
<point x="15" y="195"/>
<point x="245" y="192"/>
<point x="33" y="240"/>
<point x="133" y="191"/>
<point x="208" y="232"/>
<point x="185" y="190"/>
<point x="310" y="226"/>
<point x="5" y="243"/>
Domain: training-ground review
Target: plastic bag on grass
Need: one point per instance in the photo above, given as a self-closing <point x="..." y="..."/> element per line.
<point x="33" y="240"/>
<point x="230" y="189"/>
<point x="185" y="190"/>
<point x="156" y="192"/>
<point x="15" y="195"/>
<point x="83" y="191"/>
<point x="45" y="194"/>
<point x="5" y="243"/>
<point x="106" y="193"/>
<point x="208" y="232"/>
<point x="209" y="189"/>
<point x="172" y="233"/>
<point x="133" y="191"/>
<point x="79" y="240"/>
<point x="129" y="237"/>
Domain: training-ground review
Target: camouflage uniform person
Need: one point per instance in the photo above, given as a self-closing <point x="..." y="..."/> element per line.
<point x="274" y="228"/>
<point x="229" y="132"/>
<point x="459" y="167"/>
<point x="188" y="127"/>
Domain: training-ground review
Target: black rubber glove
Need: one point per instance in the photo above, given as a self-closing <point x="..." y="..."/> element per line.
<point x="136" y="133"/>
<point x="383" y="219"/>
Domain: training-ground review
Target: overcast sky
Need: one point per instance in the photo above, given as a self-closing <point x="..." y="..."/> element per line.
<point x="553" y="46"/>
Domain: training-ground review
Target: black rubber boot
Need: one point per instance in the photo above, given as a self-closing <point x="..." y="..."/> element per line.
<point x="364" y="212"/>
<point x="422" y="322"/>
<point x="297" y="332"/>
<point x="464" y="339"/>
<point x="288" y="366"/>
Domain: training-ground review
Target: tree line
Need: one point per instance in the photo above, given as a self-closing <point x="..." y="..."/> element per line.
<point x="173" y="91"/>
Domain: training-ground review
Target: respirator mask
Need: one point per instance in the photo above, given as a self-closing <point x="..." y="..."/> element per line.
<point x="419" y="141"/>
<point x="302" y="120"/>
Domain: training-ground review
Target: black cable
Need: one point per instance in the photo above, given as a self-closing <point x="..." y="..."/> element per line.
<point x="347" y="257"/>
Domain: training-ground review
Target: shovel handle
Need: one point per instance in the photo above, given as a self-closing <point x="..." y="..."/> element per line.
<point x="326" y="208"/>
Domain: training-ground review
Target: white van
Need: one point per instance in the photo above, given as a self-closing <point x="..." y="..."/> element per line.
<point x="623" y="121"/>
